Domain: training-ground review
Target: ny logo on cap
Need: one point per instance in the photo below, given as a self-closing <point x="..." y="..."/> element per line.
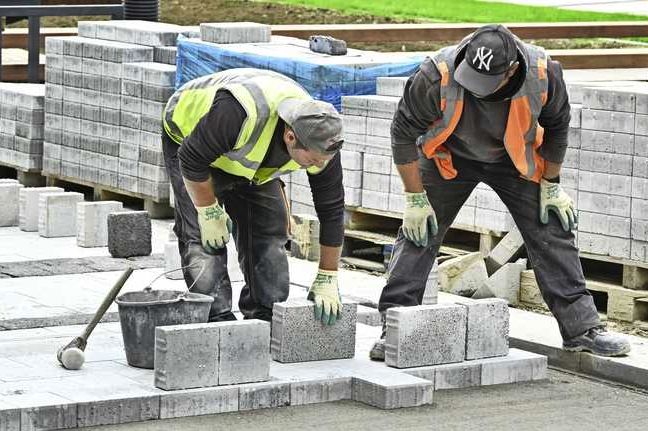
<point x="484" y="56"/>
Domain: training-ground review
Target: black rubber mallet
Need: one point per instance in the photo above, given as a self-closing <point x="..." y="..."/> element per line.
<point x="71" y="356"/>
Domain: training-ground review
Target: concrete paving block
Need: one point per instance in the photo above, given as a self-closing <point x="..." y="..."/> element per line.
<point x="235" y="32"/>
<point x="457" y="376"/>
<point x="462" y="275"/>
<point x="195" y="402"/>
<point x="641" y="125"/>
<point x="53" y="75"/>
<point x="610" y="99"/>
<point x="255" y="396"/>
<point x="487" y="328"/>
<point x="165" y="54"/>
<point x="54" y="45"/>
<point x="118" y="411"/>
<point x="640" y="230"/>
<point x="377" y="164"/>
<point x="391" y="86"/>
<point x="425" y="335"/>
<point x="53" y="91"/>
<point x="607" y="142"/>
<point x="375" y="200"/>
<point x="151" y="156"/>
<point x="505" y="282"/>
<point x="641" y="146"/>
<point x="320" y="391"/>
<point x="243" y="352"/>
<point x="392" y="396"/>
<point x="10" y="196"/>
<point x="608" y="121"/>
<point x="351" y="160"/>
<point x="152" y="108"/>
<point x="186" y="356"/>
<point x="71" y="63"/>
<point x="119" y="52"/>
<point x="129" y="233"/>
<point x="639" y="251"/>
<point x="379" y="127"/>
<point x="375" y="182"/>
<point x="352" y="196"/>
<point x="575" y="111"/>
<point x="639" y="209"/>
<point x="396" y="202"/>
<point x="639" y="188"/>
<point x="158" y="74"/>
<point x="505" y="251"/>
<point x="56" y="413"/>
<point x="131" y="88"/>
<point x="87" y="29"/>
<point x="28" y="206"/>
<point x="72" y="94"/>
<point x="640" y="167"/>
<point x="298" y="337"/>
<point x="152" y="172"/>
<point x="92" y="222"/>
<point x="9" y="417"/>
<point x="355" y="124"/>
<point x="517" y="366"/>
<point x="57" y="214"/>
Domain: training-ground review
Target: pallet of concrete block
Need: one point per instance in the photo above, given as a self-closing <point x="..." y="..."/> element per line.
<point x="22" y="125"/>
<point x="613" y="171"/>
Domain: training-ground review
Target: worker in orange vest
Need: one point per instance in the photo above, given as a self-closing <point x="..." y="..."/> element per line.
<point x="493" y="110"/>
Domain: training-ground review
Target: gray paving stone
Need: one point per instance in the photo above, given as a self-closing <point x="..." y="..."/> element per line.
<point x="320" y="391"/>
<point x="9" y="210"/>
<point x="118" y="411"/>
<point x="391" y="86"/>
<point x="608" y="121"/>
<point x="487" y="328"/>
<point x="9" y="417"/>
<point x="254" y="396"/>
<point x="186" y="356"/>
<point x="57" y="214"/>
<point x="92" y="222"/>
<point x="234" y="32"/>
<point x="202" y="401"/>
<point x="425" y="335"/>
<point x="28" y="206"/>
<point x="391" y="396"/>
<point x="505" y="251"/>
<point x="517" y="366"/>
<point x="158" y="74"/>
<point x="244" y="352"/>
<point x="462" y="275"/>
<point x="129" y="233"/>
<point x="297" y="337"/>
<point x="610" y="99"/>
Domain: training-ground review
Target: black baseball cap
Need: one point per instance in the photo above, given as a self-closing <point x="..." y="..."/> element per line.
<point x="490" y="53"/>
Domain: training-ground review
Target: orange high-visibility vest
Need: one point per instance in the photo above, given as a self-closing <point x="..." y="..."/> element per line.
<point x="523" y="135"/>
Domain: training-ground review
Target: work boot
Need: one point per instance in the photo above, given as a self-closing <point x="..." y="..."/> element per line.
<point x="377" y="352"/>
<point x="598" y="341"/>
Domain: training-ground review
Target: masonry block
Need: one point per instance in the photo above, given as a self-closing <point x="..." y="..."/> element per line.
<point x="355" y="124"/>
<point x="391" y="86"/>
<point x="375" y="182"/>
<point x="92" y="222"/>
<point x="487" y="328"/>
<point x="608" y="121"/>
<point x="129" y="233"/>
<point x="255" y="396"/>
<point x="244" y="352"/>
<point x="10" y="197"/>
<point x="505" y="251"/>
<point x="234" y="32"/>
<point x="195" y="402"/>
<point x="425" y="335"/>
<point x="375" y="200"/>
<point x="28" y="207"/>
<point x="610" y="99"/>
<point x="57" y="214"/>
<point x="186" y="356"/>
<point x="377" y="164"/>
<point x="320" y="391"/>
<point x="462" y="275"/>
<point x="517" y="366"/>
<point x="298" y="337"/>
<point x="391" y="395"/>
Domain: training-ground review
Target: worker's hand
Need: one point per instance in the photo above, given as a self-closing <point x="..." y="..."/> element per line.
<point x="554" y="198"/>
<point x="419" y="220"/>
<point x="324" y="292"/>
<point x="215" y="227"/>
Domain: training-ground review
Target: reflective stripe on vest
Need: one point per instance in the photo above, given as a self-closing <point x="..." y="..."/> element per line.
<point x="523" y="135"/>
<point x="259" y="92"/>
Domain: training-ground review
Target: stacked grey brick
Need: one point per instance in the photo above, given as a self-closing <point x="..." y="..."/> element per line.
<point x="104" y="100"/>
<point x="21" y="125"/>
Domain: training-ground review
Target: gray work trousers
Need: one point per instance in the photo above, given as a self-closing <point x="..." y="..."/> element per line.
<point x="551" y="250"/>
<point x="260" y="220"/>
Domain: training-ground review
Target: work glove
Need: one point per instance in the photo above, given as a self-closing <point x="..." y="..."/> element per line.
<point x="215" y="227"/>
<point x="419" y="220"/>
<point x="324" y="292"/>
<point x="553" y="198"/>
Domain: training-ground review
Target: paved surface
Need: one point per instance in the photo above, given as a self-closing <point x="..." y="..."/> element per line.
<point x="564" y="402"/>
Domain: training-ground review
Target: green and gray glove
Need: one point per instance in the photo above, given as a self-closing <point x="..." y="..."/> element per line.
<point x="419" y="220"/>
<point x="215" y="227"/>
<point x="324" y="292"/>
<point x="554" y="198"/>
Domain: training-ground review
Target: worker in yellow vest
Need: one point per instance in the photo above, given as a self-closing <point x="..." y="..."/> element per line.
<point x="227" y="139"/>
<point x="494" y="110"/>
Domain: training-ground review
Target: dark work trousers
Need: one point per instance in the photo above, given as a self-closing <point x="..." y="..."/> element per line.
<point x="551" y="250"/>
<point x="259" y="218"/>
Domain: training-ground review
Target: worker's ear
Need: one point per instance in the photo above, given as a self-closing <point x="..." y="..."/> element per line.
<point x="289" y="136"/>
<point x="513" y="69"/>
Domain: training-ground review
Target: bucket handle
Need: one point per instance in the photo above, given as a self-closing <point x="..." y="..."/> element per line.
<point x="183" y="295"/>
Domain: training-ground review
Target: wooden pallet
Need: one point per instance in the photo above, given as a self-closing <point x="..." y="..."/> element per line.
<point x="99" y="192"/>
<point x="28" y="178"/>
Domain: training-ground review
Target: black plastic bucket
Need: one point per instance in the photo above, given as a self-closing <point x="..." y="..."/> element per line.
<point x="140" y="312"/>
<point x="147" y="10"/>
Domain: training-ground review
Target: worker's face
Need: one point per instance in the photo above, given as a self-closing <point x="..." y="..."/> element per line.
<point x="506" y="80"/>
<point x="302" y="155"/>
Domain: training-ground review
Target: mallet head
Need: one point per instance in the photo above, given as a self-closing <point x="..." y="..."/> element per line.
<point x="72" y="358"/>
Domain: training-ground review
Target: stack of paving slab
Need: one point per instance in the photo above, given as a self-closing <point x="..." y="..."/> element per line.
<point x="104" y="96"/>
<point x="367" y="124"/>
<point x="612" y="181"/>
<point x="21" y="125"/>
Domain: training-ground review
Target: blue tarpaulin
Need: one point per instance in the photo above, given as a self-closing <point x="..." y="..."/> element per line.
<point x="323" y="81"/>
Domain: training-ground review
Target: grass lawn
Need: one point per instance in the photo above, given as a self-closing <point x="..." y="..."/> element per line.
<point x="459" y="11"/>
